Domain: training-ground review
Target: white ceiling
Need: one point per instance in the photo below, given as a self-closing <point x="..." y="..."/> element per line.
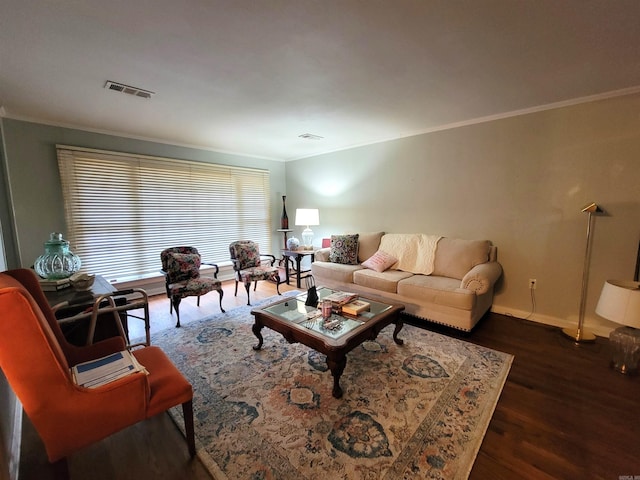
<point x="250" y="76"/>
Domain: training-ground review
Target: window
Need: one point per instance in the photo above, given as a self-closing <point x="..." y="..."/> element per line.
<point x="123" y="210"/>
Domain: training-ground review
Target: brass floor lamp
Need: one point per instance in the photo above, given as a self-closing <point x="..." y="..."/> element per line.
<point x="579" y="334"/>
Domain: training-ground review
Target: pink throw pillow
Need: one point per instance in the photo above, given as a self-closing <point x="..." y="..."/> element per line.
<point x="380" y="261"/>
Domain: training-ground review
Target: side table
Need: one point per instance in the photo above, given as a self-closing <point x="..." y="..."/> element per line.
<point x="297" y="256"/>
<point x="82" y="324"/>
<point x="285" y="231"/>
<point x="86" y="297"/>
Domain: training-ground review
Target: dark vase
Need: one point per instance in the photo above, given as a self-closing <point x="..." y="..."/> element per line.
<point x="284" y="219"/>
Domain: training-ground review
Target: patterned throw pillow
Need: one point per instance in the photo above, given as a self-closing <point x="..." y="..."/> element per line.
<point x="183" y="266"/>
<point x="380" y="261"/>
<point x="344" y="249"/>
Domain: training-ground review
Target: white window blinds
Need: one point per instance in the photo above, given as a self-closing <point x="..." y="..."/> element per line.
<point x="123" y="210"/>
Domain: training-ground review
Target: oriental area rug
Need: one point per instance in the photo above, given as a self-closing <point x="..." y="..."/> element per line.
<point x="419" y="410"/>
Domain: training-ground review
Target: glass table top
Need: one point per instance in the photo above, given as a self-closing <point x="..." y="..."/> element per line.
<point x="295" y="311"/>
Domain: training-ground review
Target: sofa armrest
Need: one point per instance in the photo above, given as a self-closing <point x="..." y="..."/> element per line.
<point x="482" y="277"/>
<point x="322" y="255"/>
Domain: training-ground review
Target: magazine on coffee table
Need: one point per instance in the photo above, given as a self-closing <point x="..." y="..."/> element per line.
<point x="341" y="298"/>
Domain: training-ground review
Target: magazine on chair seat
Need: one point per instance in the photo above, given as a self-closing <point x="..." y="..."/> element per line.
<point x="103" y="370"/>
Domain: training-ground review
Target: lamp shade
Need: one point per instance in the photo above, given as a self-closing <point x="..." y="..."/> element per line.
<point x="620" y="302"/>
<point x="307" y="216"/>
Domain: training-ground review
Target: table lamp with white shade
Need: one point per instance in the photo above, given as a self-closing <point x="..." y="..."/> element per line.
<point x="620" y="303"/>
<point x="309" y="217"/>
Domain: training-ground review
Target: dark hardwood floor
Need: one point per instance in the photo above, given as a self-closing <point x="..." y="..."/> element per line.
<point x="563" y="413"/>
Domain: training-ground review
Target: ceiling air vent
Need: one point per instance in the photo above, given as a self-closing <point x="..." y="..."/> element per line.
<point x="121" y="87"/>
<point x="310" y="136"/>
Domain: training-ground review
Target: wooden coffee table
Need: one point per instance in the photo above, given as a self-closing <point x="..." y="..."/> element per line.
<point x="290" y="317"/>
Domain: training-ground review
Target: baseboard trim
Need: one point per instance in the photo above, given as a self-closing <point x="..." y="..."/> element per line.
<point x="599" y="329"/>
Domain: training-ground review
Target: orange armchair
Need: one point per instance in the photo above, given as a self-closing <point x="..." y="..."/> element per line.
<point x="36" y="360"/>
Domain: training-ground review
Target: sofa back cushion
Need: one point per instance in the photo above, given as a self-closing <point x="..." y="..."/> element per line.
<point x="455" y="257"/>
<point x="368" y="244"/>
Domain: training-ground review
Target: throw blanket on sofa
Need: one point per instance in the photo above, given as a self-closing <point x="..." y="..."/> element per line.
<point x="415" y="252"/>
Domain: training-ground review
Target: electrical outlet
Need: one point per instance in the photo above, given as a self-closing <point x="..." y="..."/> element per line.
<point x="532" y="283"/>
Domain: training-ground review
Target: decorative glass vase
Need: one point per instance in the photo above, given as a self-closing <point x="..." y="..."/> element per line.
<point x="57" y="261"/>
<point x="284" y="219"/>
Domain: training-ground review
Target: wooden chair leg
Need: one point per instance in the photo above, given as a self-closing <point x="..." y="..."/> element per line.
<point x="187" y="413"/>
<point x="247" y="287"/>
<point x="198" y="301"/>
<point x="170" y="302"/>
<point x="176" y="305"/>
<point x="61" y="469"/>
<point x="236" y="294"/>
<point x="221" y="292"/>
<point x="276" y="278"/>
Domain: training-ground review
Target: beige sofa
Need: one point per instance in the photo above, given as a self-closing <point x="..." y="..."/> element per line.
<point x="444" y="280"/>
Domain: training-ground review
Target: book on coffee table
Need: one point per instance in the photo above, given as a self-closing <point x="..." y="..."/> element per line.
<point x="355" y="307"/>
<point x="54" y="285"/>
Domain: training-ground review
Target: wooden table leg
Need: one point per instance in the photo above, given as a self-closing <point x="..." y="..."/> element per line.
<point x="399" y="324"/>
<point x="298" y="269"/>
<point x="337" y="367"/>
<point x="286" y="267"/>
<point x="256" y="328"/>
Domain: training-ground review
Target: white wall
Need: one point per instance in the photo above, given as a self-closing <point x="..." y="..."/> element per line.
<point x="520" y="182"/>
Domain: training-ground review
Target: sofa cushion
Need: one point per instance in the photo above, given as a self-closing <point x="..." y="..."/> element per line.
<point x="438" y="291"/>
<point x="344" y="249"/>
<point x="455" y="257"/>
<point x="368" y="244"/>
<point x="380" y="261"/>
<point x="334" y="272"/>
<point x="383" y="281"/>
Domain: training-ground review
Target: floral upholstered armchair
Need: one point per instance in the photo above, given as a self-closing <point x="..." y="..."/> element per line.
<point x="251" y="266"/>
<point x="181" y="269"/>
